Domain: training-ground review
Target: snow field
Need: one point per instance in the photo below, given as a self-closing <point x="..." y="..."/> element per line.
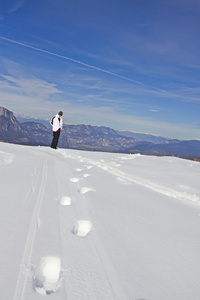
<point x="145" y="211"/>
<point x="156" y="185"/>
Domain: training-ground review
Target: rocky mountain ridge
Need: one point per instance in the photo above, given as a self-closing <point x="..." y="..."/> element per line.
<point x="10" y="128"/>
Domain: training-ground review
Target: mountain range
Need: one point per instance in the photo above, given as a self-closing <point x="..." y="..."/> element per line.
<point x="93" y="138"/>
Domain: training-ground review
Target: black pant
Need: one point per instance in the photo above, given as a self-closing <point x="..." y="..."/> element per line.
<point x="54" y="142"/>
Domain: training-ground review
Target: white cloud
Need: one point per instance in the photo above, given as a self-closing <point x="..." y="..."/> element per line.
<point x="18" y="4"/>
<point x="25" y="95"/>
<point x="153" y="110"/>
<point x="36" y="97"/>
<point x="84" y="99"/>
<point x="28" y="87"/>
<point x="92" y="67"/>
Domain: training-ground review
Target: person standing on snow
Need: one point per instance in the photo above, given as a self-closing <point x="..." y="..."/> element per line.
<point x="57" y="124"/>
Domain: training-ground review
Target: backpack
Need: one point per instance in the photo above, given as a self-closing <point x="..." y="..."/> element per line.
<point x="52" y="120"/>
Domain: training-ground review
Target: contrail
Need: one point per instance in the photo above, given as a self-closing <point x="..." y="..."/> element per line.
<point x="84" y="64"/>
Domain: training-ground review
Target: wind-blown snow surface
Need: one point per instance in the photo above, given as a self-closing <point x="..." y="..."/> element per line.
<point x="81" y="225"/>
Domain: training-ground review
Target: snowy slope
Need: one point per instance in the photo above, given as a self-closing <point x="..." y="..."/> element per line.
<point x="81" y="225"/>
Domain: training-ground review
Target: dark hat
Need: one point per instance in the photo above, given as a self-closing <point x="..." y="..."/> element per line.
<point x="60" y="113"/>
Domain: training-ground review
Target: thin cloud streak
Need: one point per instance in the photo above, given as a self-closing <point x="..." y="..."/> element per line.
<point x="86" y="65"/>
<point x="18" y="97"/>
<point x="18" y="4"/>
<point x="153" y="110"/>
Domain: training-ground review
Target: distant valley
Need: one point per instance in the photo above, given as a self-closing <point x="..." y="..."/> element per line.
<point x="92" y="138"/>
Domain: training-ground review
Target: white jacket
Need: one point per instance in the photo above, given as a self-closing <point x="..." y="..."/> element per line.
<point x="56" y="123"/>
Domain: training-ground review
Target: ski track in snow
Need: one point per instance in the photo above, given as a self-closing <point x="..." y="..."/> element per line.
<point x="127" y="178"/>
<point x="123" y="177"/>
<point x="34" y="175"/>
<point x="27" y="254"/>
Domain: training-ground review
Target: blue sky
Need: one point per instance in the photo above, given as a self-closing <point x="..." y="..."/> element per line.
<point x="126" y="64"/>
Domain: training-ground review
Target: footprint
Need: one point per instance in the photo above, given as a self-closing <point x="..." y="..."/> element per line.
<point x="86" y="175"/>
<point x="84" y="190"/>
<point x="47" y="275"/>
<point x="65" y="200"/>
<point x="74" y="179"/>
<point x="89" y="167"/>
<point x="82" y="228"/>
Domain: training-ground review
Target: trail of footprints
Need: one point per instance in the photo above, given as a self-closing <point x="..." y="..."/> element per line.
<point x="47" y="275"/>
